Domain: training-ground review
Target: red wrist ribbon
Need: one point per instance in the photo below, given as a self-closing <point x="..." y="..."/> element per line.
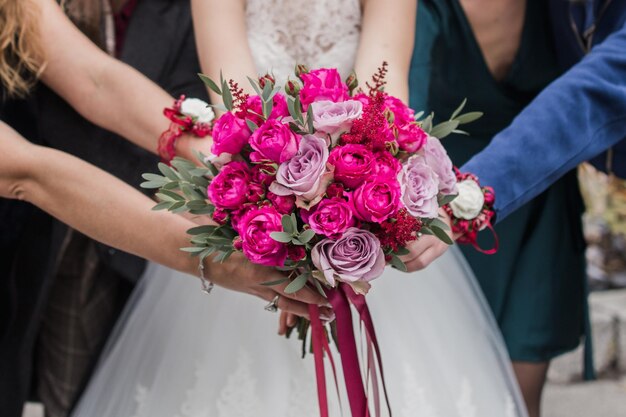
<point x="468" y="229"/>
<point x="180" y="124"/>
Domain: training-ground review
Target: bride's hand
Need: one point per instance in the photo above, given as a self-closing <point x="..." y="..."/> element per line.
<point x="187" y="144"/>
<point x="239" y="274"/>
<point x="427" y="248"/>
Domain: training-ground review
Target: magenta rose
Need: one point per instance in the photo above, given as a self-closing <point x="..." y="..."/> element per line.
<point x="376" y="199"/>
<point x="331" y="217"/>
<point x="237" y="215"/>
<point x="402" y="114"/>
<point x="296" y="253"/>
<point x="386" y="165"/>
<point x="273" y="141"/>
<point x="334" y="118"/>
<point x="305" y="175"/>
<point x="220" y="216"/>
<point x="322" y="84"/>
<point x="353" y="163"/>
<point x="229" y="188"/>
<point x="230" y="135"/>
<point x="356" y="256"/>
<point x="258" y="246"/>
<point x="279" y="110"/>
<point x="411" y="137"/>
<point x="284" y="203"/>
<point x="438" y="159"/>
<point x="420" y="187"/>
<point x="263" y="174"/>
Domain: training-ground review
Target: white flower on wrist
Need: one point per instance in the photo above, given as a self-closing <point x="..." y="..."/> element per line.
<point x="198" y="109"/>
<point x="470" y="201"/>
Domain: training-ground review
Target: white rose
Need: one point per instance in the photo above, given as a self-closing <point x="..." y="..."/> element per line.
<point x="470" y="201"/>
<point x="197" y="109"/>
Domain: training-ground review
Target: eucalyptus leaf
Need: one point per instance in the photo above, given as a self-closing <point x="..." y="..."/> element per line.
<point x="267" y="92"/>
<point x="469" y="117"/>
<point x="298" y="283"/>
<point x="402" y="252"/>
<point x="309" y="119"/>
<point x="288" y="225"/>
<point x="227" y="96"/>
<point x="201" y="229"/>
<point x="281" y="237"/>
<point x="255" y="85"/>
<point x="178" y="207"/>
<point x="196" y="204"/>
<point x="444" y="129"/>
<point x="397" y="263"/>
<point x="154" y="177"/>
<point x="459" y="109"/>
<point x="210" y="83"/>
<point x="267" y="108"/>
<point x="168" y="172"/>
<point x="193" y="249"/>
<point x="427" y="123"/>
<point x="441" y="234"/>
<point x="306" y="236"/>
<point x="162" y="205"/>
<point x="150" y="185"/>
<point x="251" y="125"/>
<point x="297" y="241"/>
<point x="440" y="224"/>
<point x="277" y="282"/>
<point x="446" y="199"/>
<point x="171" y="194"/>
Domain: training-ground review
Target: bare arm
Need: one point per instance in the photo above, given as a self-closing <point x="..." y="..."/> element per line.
<point x="220" y="28"/>
<point x="388" y="31"/>
<point x="102" y="89"/>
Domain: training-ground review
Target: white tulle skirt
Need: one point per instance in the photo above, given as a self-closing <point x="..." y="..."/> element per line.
<point x="177" y="352"/>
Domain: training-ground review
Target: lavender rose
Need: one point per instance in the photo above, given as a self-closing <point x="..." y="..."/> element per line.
<point x="438" y="159"/>
<point x="305" y="175"/>
<point x="420" y="187"/>
<point x="334" y="118"/>
<point x="356" y="256"/>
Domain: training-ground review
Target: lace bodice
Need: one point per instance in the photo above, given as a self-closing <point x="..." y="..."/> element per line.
<point x="320" y="33"/>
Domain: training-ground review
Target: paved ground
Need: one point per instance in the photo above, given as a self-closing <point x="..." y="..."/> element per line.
<point x="604" y="398"/>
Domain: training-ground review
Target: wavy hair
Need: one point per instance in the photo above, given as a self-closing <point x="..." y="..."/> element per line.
<point x="21" y="55"/>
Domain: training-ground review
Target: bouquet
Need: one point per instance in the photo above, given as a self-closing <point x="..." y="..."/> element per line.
<point x="321" y="179"/>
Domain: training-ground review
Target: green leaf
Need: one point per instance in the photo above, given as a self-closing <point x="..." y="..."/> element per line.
<point x="277" y="282"/>
<point x="267" y="108"/>
<point x="440" y="224"/>
<point x="441" y="234"/>
<point x="210" y="83"/>
<point x="178" y="207"/>
<point x="288" y="225"/>
<point x="251" y="125"/>
<point x="298" y="110"/>
<point x="172" y="195"/>
<point x="201" y="182"/>
<point x="153" y="177"/>
<point x="309" y="119"/>
<point x="446" y="199"/>
<point x="162" y="205"/>
<point x="402" y="251"/>
<point x="294" y="222"/>
<point x="427" y="123"/>
<point x="227" y="96"/>
<point x="201" y="229"/>
<point x="298" y="283"/>
<point x="419" y="115"/>
<point x="459" y="109"/>
<point x="168" y="172"/>
<point x="281" y="237"/>
<point x="267" y="91"/>
<point x="319" y="288"/>
<point x="296" y="241"/>
<point x="469" y="117"/>
<point x="182" y="163"/>
<point x="196" y="204"/>
<point x="397" y="263"/>
<point x="444" y="129"/>
<point x="150" y="185"/>
<point x="193" y="249"/>
<point x="306" y="236"/>
<point x="255" y="85"/>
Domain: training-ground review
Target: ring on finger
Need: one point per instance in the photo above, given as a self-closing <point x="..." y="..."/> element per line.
<point x="272" y="306"/>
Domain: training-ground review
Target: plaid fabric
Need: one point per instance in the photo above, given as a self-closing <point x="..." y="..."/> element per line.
<point x="85" y="301"/>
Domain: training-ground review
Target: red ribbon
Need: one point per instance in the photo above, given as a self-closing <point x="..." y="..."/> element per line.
<point x="340" y="299"/>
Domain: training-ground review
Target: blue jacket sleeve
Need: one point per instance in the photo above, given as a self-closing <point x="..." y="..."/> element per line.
<point x="578" y="116"/>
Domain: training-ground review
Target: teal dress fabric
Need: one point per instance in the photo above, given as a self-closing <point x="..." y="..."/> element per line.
<point x="535" y="284"/>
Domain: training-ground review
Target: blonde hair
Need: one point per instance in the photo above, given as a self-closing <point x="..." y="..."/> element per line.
<point x="21" y="55"/>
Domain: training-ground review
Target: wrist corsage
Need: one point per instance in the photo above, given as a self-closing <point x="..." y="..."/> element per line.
<point x="187" y="115"/>
<point x="472" y="211"/>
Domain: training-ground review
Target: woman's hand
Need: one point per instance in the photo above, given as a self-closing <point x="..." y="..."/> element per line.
<point x="239" y="274"/>
<point x="427" y="248"/>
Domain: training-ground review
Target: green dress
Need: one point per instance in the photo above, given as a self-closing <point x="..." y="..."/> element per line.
<point x="535" y="284"/>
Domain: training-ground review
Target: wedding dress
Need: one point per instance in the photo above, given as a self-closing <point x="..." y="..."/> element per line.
<point x="177" y="352"/>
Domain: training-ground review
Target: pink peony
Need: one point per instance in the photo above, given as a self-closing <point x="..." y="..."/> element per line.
<point x="230" y="135"/>
<point x="305" y="175"/>
<point x="255" y="107"/>
<point x="258" y="246"/>
<point x="402" y="114"/>
<point x="331" y="217"/>
<point x="353" y="163"/>
<point x="438" y="159"/>
<point x="376" y="200"/>
<point x="386" y="165"/>
<point x="334" y="118"/>
<point x="263" y="174"/>
<point x="411" y="137"/>
<point x="229" y="188"/>
<point x="220" y="216"/>
<point x="284" y="204"/>
<point x="322" y="84"/>
<point x="273" y="141"/>
<point x="420" y="187"/>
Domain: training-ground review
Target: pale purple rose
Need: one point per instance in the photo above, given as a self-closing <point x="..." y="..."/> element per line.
<point x="334" y="118"/>
<point x="322" y="84"/>
<point x="230" y="134"/>
<point x="356" y="256"/>
<point x="331" y="217"/>
<point x="420" y="187"/>
<point x="273" y="141"/>
<point x="438" y="159"/>
<point x="376" y="199"/>
<point x="305" y="175"/>
<point x="255" y="228"/>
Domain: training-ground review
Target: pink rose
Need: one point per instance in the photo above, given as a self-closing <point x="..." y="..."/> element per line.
<point x="263" y="174"/>
<point x="256" y="192"/>
<point x="331" y="217"/>
<point x="402" y="114"/>
<point x="305" y="175"/>
<point x="220" y="216"/>
<point x="284" y="203"/>
<point x="438" y="159"/>
<point x="335" y="190"/>
<point x="386" y="165"/>
<point x="237" y="215"/>
<point x="420" y="187"/>
<point x="257" y="244"/>
<point x="322" y="84"/>
<point x="229" y="188"/>
<point x="296" y="253"/>
<point x="255" y="106"/>
<point x="334" y="118"/>
<point x="353" y="163"/>
<point x="230" y="135"/>
<point x="273" y="141"/>
<point x="411" y="137"/>
<point x="376" y="200"/>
